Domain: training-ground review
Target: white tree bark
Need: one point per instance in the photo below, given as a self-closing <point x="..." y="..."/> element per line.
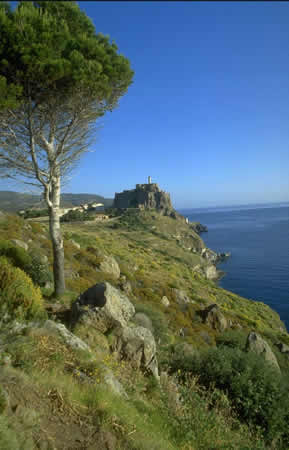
<point x="56" y="237"/>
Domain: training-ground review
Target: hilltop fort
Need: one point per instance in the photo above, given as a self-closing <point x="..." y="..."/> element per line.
<point x="144" y="196"/>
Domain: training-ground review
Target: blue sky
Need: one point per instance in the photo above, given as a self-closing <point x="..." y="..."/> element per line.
<point x="208" y="113"/>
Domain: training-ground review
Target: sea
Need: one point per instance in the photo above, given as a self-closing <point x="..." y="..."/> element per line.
<point x="257" y="237"/>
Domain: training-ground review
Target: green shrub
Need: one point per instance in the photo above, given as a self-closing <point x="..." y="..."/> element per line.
<point x="79" y="216"/>
<point x="31" y="264"/>
<point x="232" y="339"/>
<point x="207" y="421"/>
<point x="31" y="213"/>
<point x="259" y="394"/>
<point x="17" y="255"/>
<point x="3" y="400"/>
<point x="19" y="298"/>
<point x="38" y="271"/>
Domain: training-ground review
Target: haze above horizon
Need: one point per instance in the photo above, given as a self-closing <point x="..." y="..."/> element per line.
<point x="207" y="114"/>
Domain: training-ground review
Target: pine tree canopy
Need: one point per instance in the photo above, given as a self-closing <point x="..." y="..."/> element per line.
<point x="51" y="48"/>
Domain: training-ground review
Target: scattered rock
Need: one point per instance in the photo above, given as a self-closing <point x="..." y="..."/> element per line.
<point x="137" y="344"/>
<point x="198" y="228"/>
<point x="75" y="244"/>
<point x="69" y="338"/>
<point x="211" y="272"/>
<point x="20" y="243"/>
<point x="258" y="345"/>
<point x="213" y="317"/>
<point x="109" y="265"/>
<point x="197" y="268"/>
<point x="165" y="301"/>
<point x="170" y="387"/>
<point x="181" y="297"/>
<point x="223" y="256"/>
<point x="183" y="332"/>
<point x="50" y="328"/>
<point x="112" y="382"/>
<point x="103" y="305"/>
<point x="125" y="285"/>
<point x="283" y="348"/>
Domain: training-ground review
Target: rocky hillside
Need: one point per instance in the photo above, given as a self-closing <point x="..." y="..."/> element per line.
<point x="144" y="351"/>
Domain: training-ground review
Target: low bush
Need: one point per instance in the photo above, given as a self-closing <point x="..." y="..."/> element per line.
<point x="258" y="393"/>
<point x="16" y="255"/>
<point x="29" y="263"/>
<point x="31" y="213"/>
<point x="232" y="339"/>
<point x="79" y="216"/>
<point x="38" y="271"/>
<point x="207" y="421"/>
<point x="19" y="298"/>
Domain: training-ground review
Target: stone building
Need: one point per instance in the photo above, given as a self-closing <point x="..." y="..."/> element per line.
<point x="144" y="196"/>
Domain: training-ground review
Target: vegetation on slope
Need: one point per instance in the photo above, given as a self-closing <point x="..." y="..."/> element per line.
<point x="212" y="393"/>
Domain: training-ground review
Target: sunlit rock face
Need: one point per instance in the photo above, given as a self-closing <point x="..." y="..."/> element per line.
<point x="144" y="196"/>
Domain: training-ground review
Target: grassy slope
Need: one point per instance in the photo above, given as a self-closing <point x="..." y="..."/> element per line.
<point x="153" y="254"/>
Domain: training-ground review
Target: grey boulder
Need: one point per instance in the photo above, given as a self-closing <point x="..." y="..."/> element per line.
<point x="214" y="318"/>
<point x="104" y="306"/>
<point x="69" y="338"/>
<point x="137" y="344"/>
<point x="258" y="345"/>
<point x="110" y="266"/>
<point x="181" y="297"/>
<point x="20" y="243"/>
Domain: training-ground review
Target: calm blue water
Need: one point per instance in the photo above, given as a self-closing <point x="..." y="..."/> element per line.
<point x="258" y="240"/>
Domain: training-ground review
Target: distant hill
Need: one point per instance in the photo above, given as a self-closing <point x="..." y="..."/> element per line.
<point x="15" y="201"/>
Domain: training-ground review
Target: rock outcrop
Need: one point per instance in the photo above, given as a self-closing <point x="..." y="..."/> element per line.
<point x="104" y="306"/>
<point x="198" y="227"/>
<point x="20" y="243"/>
<point x="144" y="196"/>
<point x="213" y="317"/>
<point x="181" y="297"/>
<point x="283" y="348"/>
<point x="258" y="345"/>
<point x="165" y="301"/>
<point x="137" y="344"/>
<point x="211" y="272"/>
<point x="110" y="266"/>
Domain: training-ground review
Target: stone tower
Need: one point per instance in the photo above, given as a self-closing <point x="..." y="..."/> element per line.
<point x="149" y="180"/>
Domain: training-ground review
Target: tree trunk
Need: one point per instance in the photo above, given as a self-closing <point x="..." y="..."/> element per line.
<point x="56" y="238"/>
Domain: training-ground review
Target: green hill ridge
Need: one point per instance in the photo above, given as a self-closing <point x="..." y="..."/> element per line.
<point x="15" y="201"/>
